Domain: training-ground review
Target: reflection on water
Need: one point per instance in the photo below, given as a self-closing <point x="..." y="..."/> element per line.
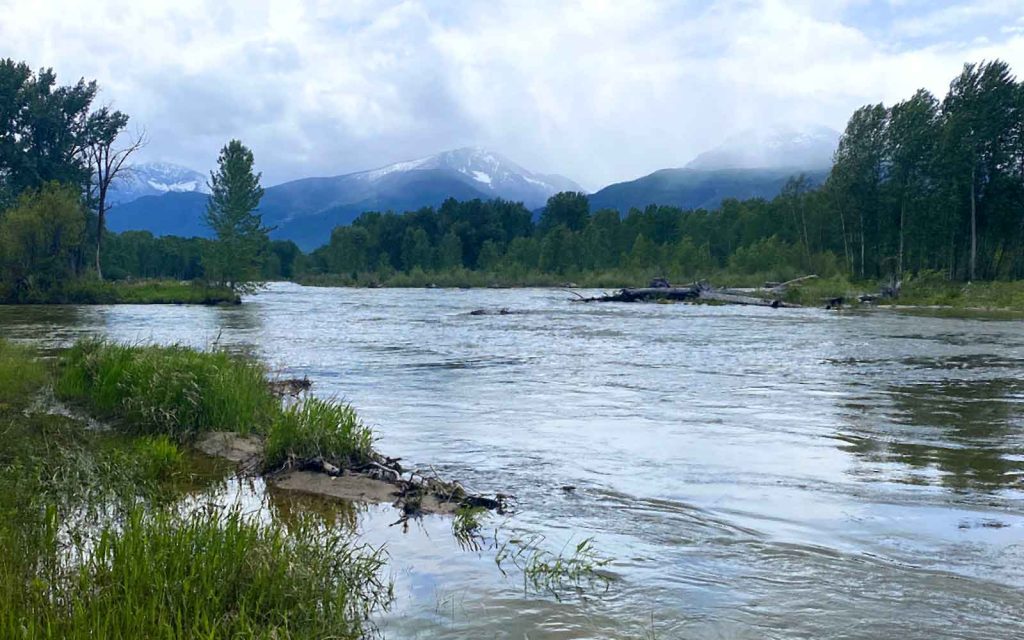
<point x="971" y="431"/>
<point x="754" y="473"/>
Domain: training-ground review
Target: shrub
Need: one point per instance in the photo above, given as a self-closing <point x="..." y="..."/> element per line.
<point x="318" y="428"/>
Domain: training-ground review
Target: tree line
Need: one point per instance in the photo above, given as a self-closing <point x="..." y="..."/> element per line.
<point x="923" y="185"/>
<point x="59" y="157"/>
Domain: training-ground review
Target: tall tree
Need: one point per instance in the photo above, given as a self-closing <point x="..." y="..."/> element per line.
<point x="44" y="128"/>
<point x="566" y="208"/>
<point x="979" y="115"/>
<point x="106" y="162"/>
<point x="235" y="195"/>
<point x="857" y="175"/>
<point x="910" y="143"/>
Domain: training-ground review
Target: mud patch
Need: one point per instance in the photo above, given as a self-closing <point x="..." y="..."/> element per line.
<point x="245" y="450"/>
<point x="355" y="487"/>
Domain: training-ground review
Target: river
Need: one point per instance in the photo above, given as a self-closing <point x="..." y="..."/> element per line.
<point x="750" y="472"/>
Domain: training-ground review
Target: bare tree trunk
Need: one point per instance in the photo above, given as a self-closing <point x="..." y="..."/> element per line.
<point x="107" y="163"/>
<point x="846" y="241"/>
<point x="974" y="228"/>
<point x="899" y="258"/>
<point x="101" y="214"/>
<point x="862" y="245"/>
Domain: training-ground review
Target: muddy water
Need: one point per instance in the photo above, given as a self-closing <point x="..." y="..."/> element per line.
<point x="753" y="473"/>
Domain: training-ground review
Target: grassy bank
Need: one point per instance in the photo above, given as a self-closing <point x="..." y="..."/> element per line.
<point x="93" y="540"/>
<point x="465" y="278"/>
<point x="172" y="390"/>
<point x="88" y="291"/>
<point x="925" y="289"/>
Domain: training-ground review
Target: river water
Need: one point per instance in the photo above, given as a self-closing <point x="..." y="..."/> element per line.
<point x="751" y="473"/>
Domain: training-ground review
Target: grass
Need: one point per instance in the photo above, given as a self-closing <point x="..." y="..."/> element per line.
<point x="318" y="428"/>
<point x="94" y="542"/>
<point x="21" y="374"/>
<point x="159" y="574"/>
<point x="574" y="569"/>
<point x="89" y="291"/>
<point x="175" y="390"/>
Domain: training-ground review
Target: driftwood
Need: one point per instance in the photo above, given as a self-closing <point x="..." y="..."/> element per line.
<point x="411" y="487"/>
<point x="289" y="386"/>
<point x="644" y="294"/>
<point x="696" y="292"/>
<point x="781" y="287"/>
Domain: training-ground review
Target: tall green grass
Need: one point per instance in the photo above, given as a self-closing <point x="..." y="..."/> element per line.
<point x="172" y="390"/>
<point x="159" y="574"/>
<point x="318" y="428"/>
<point x="95" y="543"/>
<point x="21" y="374"/>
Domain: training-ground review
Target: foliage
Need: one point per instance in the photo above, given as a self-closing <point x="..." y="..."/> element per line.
<point x="162" y="574"/>
<point x="91" y="548"/>
<point x="922" y="185"/>
<point x="576" y="566"/>
<point x="89" y="291"/>
<point x="44" y="130"/>
<point x="39" y="239"/>
<point x="168" y="390"/>
<point x="235" y="258"/>
<point x="20" y="374"/>
<point x="318" y="428"/>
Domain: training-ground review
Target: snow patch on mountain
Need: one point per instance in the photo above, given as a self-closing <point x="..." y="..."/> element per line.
<point x="155" y="178"/>
<point x="495" y="175"/>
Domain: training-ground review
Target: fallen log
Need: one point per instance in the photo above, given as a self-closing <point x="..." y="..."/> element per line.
<point x="697" y="292"/>
<point x="642" y="294"/>
<point x="732" y="298"/>
<point x="781" y="287"/>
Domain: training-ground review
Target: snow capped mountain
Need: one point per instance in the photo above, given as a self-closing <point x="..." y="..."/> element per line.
<point x="306" y="210"/>
<point x="153" y="179"/>
<point x="489" y="172"/>
<point x="778" y="147"/>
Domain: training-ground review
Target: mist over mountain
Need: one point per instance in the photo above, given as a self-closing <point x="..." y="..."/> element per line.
<point x="753" y="164"/>
<point x="696" y="188"/>
<point x="306" y="210"/>
<point x="779" y="147"/>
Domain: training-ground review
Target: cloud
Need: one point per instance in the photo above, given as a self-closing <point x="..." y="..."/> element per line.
<point x="596" y="89"/>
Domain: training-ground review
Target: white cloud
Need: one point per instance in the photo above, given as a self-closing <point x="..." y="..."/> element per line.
<point x="599" y="90"/>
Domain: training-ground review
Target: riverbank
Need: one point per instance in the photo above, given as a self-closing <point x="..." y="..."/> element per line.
<point x="84" y="291"/>
<point x="96" y="539"/>
<point x="925" y="291"/>
<point x="101" y="455"/>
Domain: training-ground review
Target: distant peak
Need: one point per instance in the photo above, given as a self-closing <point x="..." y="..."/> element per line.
<point x="772" y="147"/>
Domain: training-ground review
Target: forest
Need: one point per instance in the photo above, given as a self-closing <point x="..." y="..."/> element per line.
<point x="924" y="186"/>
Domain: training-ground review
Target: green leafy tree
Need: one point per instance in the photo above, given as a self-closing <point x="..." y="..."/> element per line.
<point x="567" y="208"/>
<point x="235" y="195"/>
<point x="490" y="256"/>
<point x="416" y="250"/>
<point x="39" y="239"/>
<point x="449" y="252"/>
<point x="912" y="132"/>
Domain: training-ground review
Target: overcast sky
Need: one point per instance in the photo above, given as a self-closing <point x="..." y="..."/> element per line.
<point x="598" y="91"/>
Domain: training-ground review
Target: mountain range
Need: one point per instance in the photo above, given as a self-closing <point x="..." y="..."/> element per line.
<point x="155" y="179"/>
<point x="170" y="200"/>
<point x="306" y="210"/>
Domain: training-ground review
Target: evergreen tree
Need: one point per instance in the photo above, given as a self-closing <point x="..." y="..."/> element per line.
<point x="232" y="214"/>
